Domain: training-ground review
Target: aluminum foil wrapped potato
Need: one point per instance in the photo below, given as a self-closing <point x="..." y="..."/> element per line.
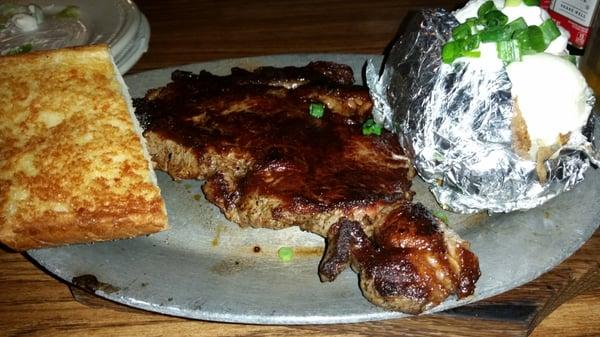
<point x="486" y="133"/>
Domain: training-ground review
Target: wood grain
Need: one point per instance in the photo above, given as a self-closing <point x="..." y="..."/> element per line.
<point x="32" y="303"/>
<point x="194" y="31"/>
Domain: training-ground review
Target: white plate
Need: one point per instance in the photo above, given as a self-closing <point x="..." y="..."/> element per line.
<point x="205" y="267"/>
<point x="117" y="23"/>
<point x="138" y="46"/>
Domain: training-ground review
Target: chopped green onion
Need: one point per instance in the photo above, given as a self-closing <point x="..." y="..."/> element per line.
<point x="485" y="7"/>
<point x="26" y="48"/>
<point x="472" y="53"/>
<point x="495" y="18"/>
<point x="472" y="22"/>
<point x="285" y="254"/>
<point x="69" y="12"/>
<point x="512" y="3"/>
<point x="461" y="31"/>
<point x="513" y="39"/>
<point x="508" y="51"/>
<point x="495" y="34"/>
<point x="531" y="40"/>
<point x="451" y="51"/>
<point x="536" y="39"/>
<point x="470" y="43"/>
<point x="517" y="24"/>
<point x="475" y="23"/>
<point x="440" y="215"/>
<point x="371" y="128"/>
<point x="316" y="110"/>
<point x="549" y="30"/>
<point x="522" y="38"/>
<point x="462" y="47"/>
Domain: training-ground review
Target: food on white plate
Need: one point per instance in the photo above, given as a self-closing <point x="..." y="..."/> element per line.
<point x="73" y="163"/>
<point x="24" y="28"/>
<point x="295" y="146"/>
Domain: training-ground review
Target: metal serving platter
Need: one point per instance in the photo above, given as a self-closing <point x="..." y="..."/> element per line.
<point x="206" y="267"/>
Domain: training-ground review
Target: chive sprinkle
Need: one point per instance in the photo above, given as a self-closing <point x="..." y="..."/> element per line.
<point x="285" y="254"/>
<point x="440" y="215"/>
<point x="316" y="110"/>
<point x="513" y="39"/>
<point x="370" y="127"/>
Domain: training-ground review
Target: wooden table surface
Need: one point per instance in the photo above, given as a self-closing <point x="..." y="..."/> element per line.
<point x="33" y="303"/>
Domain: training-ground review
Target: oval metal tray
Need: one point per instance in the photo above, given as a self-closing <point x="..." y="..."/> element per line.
<point x="206" y="267"/>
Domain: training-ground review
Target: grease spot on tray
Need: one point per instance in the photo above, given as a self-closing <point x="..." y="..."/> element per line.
<point x="468" y="220"/>
<point x="232" y="266"/>
<point x="90" y="283"/>
<point x="308" y="251"/>
<point x="217" y="238"/>
<point x="259" y="251"/>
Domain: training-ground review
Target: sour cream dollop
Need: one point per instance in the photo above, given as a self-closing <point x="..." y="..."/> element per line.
<point x="551" y="94"/>
<point x="549" y="91"/>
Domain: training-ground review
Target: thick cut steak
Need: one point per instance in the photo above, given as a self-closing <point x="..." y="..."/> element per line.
<point x="268" y="163"/>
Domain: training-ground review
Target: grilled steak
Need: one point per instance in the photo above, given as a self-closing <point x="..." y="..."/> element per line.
<point x="268" y="163"/>
<point x="412" y="261"/>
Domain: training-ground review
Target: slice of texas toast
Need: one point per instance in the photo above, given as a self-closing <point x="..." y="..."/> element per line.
<point x="73" y="164"/>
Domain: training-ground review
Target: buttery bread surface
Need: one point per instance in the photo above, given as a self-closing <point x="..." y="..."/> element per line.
<point x="73" y="167"/>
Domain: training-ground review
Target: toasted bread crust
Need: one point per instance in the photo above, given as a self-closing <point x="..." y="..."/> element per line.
<point x="72" y="168"/>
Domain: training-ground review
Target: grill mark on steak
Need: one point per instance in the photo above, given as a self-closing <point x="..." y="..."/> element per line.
<point x="268" y="163"/>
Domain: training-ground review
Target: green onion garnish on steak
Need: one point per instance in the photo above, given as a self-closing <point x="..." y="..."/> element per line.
<point x="371" y="128"/>
<point x="440" y="215"/>
<point x="316" y="110"/>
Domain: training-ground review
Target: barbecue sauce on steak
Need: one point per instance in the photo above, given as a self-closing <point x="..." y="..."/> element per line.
<point x="409" y="261"/>
<point x="310" y="165"/>
<point x="268" y="163"/>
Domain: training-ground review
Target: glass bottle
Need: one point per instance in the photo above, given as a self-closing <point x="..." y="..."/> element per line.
<point x="590" y="62"/>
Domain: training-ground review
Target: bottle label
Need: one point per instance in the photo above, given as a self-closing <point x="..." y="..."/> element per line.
<point x="579" y="11"/>
<point x="575" y="16"/>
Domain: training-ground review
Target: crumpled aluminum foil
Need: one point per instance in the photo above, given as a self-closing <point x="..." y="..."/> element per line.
<point x="455" y="122"/>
